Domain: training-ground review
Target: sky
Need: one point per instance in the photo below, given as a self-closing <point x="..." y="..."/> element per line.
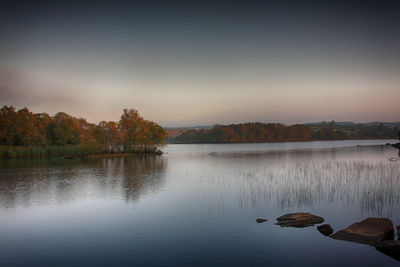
<point x="203" y="62"/>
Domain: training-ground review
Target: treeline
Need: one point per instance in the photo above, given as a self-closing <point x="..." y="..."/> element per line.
<point x="58" y="134"/>
<point x="276" y="132"/>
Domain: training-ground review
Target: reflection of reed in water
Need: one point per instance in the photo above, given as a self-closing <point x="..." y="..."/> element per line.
<point x="41" y="183"/>
<point x="374" y="187"/>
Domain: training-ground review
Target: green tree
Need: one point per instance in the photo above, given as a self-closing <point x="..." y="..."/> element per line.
<point x="64" y="129"/>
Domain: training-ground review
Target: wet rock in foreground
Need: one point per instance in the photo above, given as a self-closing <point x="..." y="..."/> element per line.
<point x="390" y="248"/>
<point x="325" y="229"/>
<point x="261" y="220"/>
<point x="299" y="219"/>
<point x="398" y="232"/>
<point x="370" y="231"/>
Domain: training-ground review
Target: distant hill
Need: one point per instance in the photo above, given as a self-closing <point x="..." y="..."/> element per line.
<point x="389" y="124"/>
<point x="346" y="123"/>
<point x="189" y="127"/>
<point x="276" y="132"/>
<point x="173" y="132"/>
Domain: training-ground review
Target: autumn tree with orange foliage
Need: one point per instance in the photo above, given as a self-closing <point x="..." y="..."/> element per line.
<point x="132" y="134"/>
<point x="139" y="134"/>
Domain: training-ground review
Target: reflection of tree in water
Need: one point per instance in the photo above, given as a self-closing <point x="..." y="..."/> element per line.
<point x="27" y="183"/>
<point x="140" y="175"/>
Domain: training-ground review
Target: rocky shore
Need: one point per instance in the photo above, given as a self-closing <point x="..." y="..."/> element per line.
<point x="376" y="232"/>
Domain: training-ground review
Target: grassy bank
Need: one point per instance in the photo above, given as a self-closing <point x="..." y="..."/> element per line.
<point x="38" y="151"/>
<point x="116" y="155"/>
<point x="60" y="151"/>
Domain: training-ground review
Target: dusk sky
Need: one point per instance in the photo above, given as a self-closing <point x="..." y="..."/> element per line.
<point x="203" y="62"/>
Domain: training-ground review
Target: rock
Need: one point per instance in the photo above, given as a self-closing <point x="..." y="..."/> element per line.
<point x="390" y="248"/>
<point x="398" y="232"/>
<point x="261" y="220"/>
<point x="397" y="145"/>
<point x="325" y="229"/>
<point x="370" y="231"/>
<point x="299" y="219"/>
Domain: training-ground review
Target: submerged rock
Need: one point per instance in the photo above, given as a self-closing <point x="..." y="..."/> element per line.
<point x="261" y="220"/>
<point x="370" y="231"/>
<point x="325" y="229"/>
<point x="68" y="157"/>
<point x="299" y="219"/>
<point x="390" y="248"/>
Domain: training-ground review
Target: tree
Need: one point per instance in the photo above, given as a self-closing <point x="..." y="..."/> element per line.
<point x="130" y="125"/>
<point x="64" y="129"/>
<point x="8" y="119"/>
<point x="139" y="135"/>
<point x="113" y="135"/>
<point x="131" y="134"/>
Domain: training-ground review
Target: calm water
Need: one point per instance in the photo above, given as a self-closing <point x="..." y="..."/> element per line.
<point x="197" y="205"/>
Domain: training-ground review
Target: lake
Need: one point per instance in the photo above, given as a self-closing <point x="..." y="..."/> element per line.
<point x="198" y="205"/>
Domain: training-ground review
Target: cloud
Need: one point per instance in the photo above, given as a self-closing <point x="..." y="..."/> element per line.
<point x="19" y="90"/>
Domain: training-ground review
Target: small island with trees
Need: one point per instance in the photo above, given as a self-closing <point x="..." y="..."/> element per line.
<point x="35" y="135"/>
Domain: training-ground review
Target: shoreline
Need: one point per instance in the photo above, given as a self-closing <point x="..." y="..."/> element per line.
<point x="287" y="141"/>
<point x="121" y="155"/>
<point x="27" y="155"/>
<point x="66" y="153"/>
